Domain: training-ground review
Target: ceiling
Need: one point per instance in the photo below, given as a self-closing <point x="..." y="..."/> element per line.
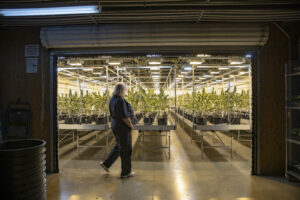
<point x="153" y="11"/>
<point x="155" y="71"/>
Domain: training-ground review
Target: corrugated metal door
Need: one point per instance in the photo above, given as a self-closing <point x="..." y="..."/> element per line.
<point x="184" y="35"/>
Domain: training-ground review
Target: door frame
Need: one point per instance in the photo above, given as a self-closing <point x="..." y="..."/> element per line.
<point x="255" y="68"/>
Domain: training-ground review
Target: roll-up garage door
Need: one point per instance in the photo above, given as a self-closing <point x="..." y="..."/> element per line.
<point x="156" y="35"/>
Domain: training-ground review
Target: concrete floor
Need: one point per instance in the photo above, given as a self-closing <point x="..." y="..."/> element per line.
<point x="184" y="177"/>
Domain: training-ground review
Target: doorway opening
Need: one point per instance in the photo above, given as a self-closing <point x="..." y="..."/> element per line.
<point x="201" y="103"/>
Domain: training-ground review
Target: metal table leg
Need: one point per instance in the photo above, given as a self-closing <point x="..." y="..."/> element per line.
<point x="231" y="147"/>
<point x="201" y="139"/>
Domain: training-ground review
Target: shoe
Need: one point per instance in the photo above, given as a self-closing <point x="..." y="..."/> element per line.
<point x="104" y="167"/>
<point x="131" y="174"/>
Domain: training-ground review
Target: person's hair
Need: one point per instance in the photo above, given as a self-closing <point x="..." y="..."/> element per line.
<point x="120" y="89"/>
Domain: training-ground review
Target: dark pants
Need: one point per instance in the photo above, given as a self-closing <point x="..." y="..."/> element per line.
<point x="123" y="148"/>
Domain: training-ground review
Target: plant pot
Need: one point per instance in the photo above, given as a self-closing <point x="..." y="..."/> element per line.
<point x="162" y="121"/>
<point x="235" y="120"/>
<point x="147" y="120"/>
<point x="69" y="120"/>
<point x="219" y="120"/>
<point x="101" y="120"/>
<point x="200" y="120"/>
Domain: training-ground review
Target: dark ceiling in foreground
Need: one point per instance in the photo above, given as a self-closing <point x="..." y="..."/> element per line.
<point x="151" y="11"/>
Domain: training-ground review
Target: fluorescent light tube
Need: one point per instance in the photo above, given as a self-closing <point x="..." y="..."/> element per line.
<point x="97" y="73"/>
<point x="196" y="62"/>
<point x="207" y="76"/>
<point x="187" y="68"/>
<point x="154" y="68"/>
<point x="223" y="68"/>
<point x="154" y="63"/>
<point x="203" y="55"/>
<point x="181" y="76"/>
<point x="87" y="69"/>
<point x="215" y="72"/>
<point x="75" y="64"/>
<point x="155" y="76"/>
<point x="236" y="62"/>
<point x="202" y="66"/>
<point x="114" y="63"/>
<point x="68" y="10"/>
<point x="184" y="72"/>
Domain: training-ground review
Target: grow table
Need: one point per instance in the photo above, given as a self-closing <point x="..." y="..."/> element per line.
<point x="158" y="130"/>
<point x="86" y="127"/>
<point x="219" y="127"/>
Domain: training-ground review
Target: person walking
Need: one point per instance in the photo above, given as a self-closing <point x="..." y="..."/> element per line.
<point x="121" y="113"/>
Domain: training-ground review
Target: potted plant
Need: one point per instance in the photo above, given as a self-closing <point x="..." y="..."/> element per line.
<point x="72" y="103"/>
<point x="100" y="106"/>
<point x="163" y="104"/>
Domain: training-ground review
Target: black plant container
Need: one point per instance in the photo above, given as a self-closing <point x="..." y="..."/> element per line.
<point x="147" y="120"/>
<point x="69" y="120"/>
<point x="101" y="120"/>
<point x="219" y="120"/>
<point x="162" y="121"/>
<point x="235" y="120"/>
<point x="200" y="120"/>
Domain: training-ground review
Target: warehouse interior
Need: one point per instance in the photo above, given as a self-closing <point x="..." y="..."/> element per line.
<point x="214" y="86"/>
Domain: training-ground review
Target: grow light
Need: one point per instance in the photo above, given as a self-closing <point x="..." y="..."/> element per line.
<point x="236" y="61"/>
<point x="223" y="68"/>
<point x="196" y="62"/>
<point x="75" y="64"/>
<point x="203" y="66"/>
<point x="114" y="63"/>
<point x="187" y="68"/>
<point x="155" y="76"/>
<point x="201" y="78"/>
<point x="181" y="76"/>
<point x="184" y="72"/>
<point x="215" y="72"/>
<point x="154" y="63"/>
<point x="154" y="68"/>
<point x="203" y="55"/>
<point x="207" y="76"/>
<point x="87" y="69"/>
<point x="218" y="80"/>
<point x="68" y="10"/>
<point x="97" y="73"/>
<point x="242" y="73"/>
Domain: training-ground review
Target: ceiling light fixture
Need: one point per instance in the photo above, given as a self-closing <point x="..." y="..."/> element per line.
<point x="87" y="69"/>
<point x="114" y="63"/>
<point x="223" y="68"/>
<point x="188" y="68"/>
<point x="203" y="55"/>
<point x="68" y="10"/>
<point x="196" y="62"/>
<point x="155" y="76"/>
<point x="154" y="63"/>
<point x="236" y="60"/>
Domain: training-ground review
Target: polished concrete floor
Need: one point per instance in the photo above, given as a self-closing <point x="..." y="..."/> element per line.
<point x="185" y="176"/>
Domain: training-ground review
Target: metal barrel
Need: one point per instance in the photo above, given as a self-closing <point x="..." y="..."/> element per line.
<point x="22" y="169"/>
